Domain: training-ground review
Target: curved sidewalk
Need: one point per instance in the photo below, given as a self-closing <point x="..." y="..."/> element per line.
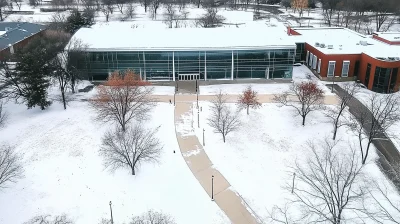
<point x="202" y="168"/>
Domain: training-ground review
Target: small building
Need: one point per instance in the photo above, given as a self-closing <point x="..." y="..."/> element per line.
<point x="15" y="35"/>
<point x="187" y="53"/>
<point x="342" y="54"/>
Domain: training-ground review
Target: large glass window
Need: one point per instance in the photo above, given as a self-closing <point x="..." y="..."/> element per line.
<point x="314" y="65"/>
<point x="381" y="80"/>
<point x="345" y="68"/>
<point x="160" y="65"/>
<point x="331" y="68"/>
<point x="393" y="80"/>
<point x="367" y="75"/>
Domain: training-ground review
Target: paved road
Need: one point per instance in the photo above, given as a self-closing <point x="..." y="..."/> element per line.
<point x="388" y="153"/>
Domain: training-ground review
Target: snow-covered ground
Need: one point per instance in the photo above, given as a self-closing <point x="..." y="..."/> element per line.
<point x="394" y="130"/>
<point x="256" y="158"/>
<point x="65" y="174"/>
<point x="300" y="73"/>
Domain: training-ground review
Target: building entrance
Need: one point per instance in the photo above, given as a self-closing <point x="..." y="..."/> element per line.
<point x="188" y="77"/>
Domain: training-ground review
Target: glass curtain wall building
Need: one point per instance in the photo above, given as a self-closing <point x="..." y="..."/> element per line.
<point x="189" y="65"/>
<point x="187" y="53"/>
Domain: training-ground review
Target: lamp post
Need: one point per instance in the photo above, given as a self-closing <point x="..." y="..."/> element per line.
<point x="174" y="98"/>
<point x="112" y="220"/>
<point x="212" y="188"/>
<point x="198" y="118"/>
<point x="204" y="143"/>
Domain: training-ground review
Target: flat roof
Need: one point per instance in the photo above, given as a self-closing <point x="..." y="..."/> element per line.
<point x="122" y="37"/>
<point x="346" y="41"/>
<point x="390" y="36"/>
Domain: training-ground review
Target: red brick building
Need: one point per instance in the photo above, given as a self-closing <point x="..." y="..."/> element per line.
<point x="342" y="54"/>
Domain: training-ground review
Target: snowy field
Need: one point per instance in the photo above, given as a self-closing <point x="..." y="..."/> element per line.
<point x="65" y="174"/>
<point x="300" y="73"/>
<point x="256" y="158"/>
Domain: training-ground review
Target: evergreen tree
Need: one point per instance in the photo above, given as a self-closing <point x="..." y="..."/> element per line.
<point x="33" y="73"/>
<point x="76" y="20"/>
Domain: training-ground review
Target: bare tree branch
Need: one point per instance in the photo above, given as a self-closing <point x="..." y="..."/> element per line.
<point x="382" y="112"/>
<point x="124" y="98"/>
<point x="152" y="217"/>
<point x="326" y="184"/>
<point x="10" y="166"/>
<point x="130" y="148"/>
<point x="222" y="119"/>
<point x="48" y="219"/>
<point x="335" y="114"/>
<point x="309" y="98"/>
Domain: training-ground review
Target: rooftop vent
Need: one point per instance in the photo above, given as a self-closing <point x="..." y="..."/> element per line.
<point x="322" y="45"/>
<point x="330" y="46"/>
<point x="317" y="44"/>
<point x="363" y="43"/>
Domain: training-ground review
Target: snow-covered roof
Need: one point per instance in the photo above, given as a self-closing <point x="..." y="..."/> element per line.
<point x="390" y="36"/>
<point x="120" y="37"/>
<point x="345" y="41"/>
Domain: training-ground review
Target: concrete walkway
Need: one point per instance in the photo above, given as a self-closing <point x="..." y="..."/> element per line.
<point x="202" y="168"/>
<point x="263" y="98"/>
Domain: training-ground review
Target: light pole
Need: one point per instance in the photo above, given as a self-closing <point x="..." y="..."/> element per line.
<point x="112" y="220"/>
<point x="204" y="142"/>
<point x="212" y="188"/>
<point x="197" y="100"/>
<point x="198" y="118"/>
<point x="174" y="98"/>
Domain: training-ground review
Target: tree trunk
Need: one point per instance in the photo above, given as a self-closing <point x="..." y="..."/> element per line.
<point x="304" y="120"/>
<point x="133" y="171"/>
<point x="223" y="137"/>
<point x="334" y="133"/>
<point x="364" y="160"/>
<point x="63" y="97"/>
<point x="248" y="109"/>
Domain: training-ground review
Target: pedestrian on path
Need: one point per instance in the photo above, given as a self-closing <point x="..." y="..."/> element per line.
<point x="170" y="102"/>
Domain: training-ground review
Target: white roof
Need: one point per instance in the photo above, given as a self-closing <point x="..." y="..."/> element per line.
<point x="120" y="37"/>
<point x="390" y="36"/>
<point x="345" y="41"/>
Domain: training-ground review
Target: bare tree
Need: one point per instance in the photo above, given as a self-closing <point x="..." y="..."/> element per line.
<point x="152" y="217"/>
<point x="155" y="4"/>
<point x="309" y="98"/>
<point x="327" y="184"/>
<point x="210" y="19"/>
<point x="130" y="148"/>
<point x="335" y="113"/>
<point x="130" y="11"/>
<point x="381" y="204"/>
<point x="10" y="166"/>
<point x="170" y="15"/>
<point x="372" y="121"/>
<point x="124" y="97"/>
<point x="3" y="114"/>
<point x="4" y="4"/>
<point x="248" y="99"/>
<point x="48" y="219"/>
<point x="18" y="3"/>
<point x="107" y="8"/>
<point x="222" y="119"/>
<point x="120" y="5"/>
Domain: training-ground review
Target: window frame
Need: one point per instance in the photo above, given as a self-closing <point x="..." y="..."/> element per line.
<point x="314" y="65"/>
<point x="319" y="66"/>
<point x="308" y="54"/>
<point x="334" y="67"/>
<point x="348" y="68"/>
